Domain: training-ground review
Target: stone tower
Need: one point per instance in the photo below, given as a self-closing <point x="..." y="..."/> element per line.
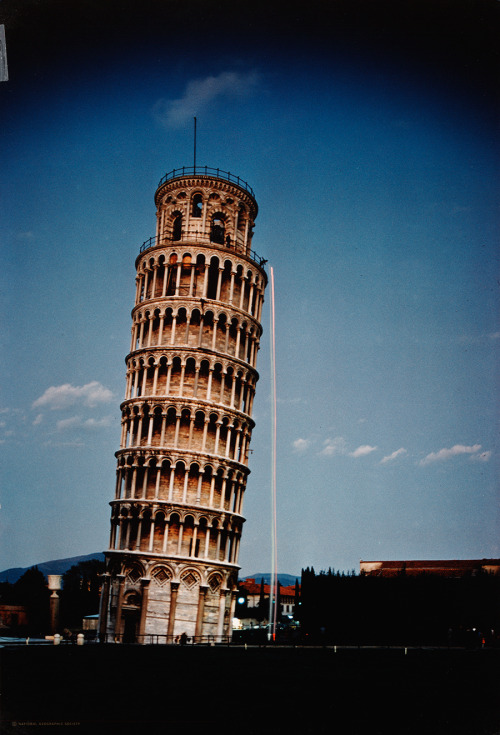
<point x="182" y="466"/>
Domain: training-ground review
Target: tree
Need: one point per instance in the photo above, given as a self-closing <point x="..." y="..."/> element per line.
<point x="31" y="591"/>
<point x="81" y="591"/>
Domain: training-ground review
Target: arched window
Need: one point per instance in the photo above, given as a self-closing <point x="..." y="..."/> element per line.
<point x="177" y="228"/>
<point x="197" y="205"/>
<point x="217" y="232"/>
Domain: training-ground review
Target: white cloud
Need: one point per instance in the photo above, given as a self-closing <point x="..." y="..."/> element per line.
<point x="77" y="422"/>
<point x="332" y="447"/>
<point x="445" y="454"/>
<point x="301" y="445"/>
<point x="362" y="451"/>
<point x="392" y="456"/>
<point x="200" y="93"/>
<point x="38" y="419"/>
<point x="67" y="395"/>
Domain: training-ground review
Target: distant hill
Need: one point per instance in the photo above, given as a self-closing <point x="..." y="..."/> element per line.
<point x="57" y="566"/>
<point x="284" y="579"/>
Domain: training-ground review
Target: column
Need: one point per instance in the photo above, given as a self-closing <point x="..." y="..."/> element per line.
<point x="155" y="379"/>
<point x="228" y="441"/>
<point x="136" y="382"/>
<point x="205" y="281"/>
<point x="139" y="533"/>
<point x="178" y="279"/>
<point x="212" y="488"/>
<point x="145" y="481"/>
<point x="177" y="428"/>
<point x="222" y="609"/>
<point x="174" y="322"/>
<point x="118" y="619"/>
<point x="165" y="538"/>
<point x="191" y="280"/>
<point x="150" y="429"/>
<point x="171" y="484"/>
<point x="201" y="608"/>
<point x="174" y="590"/>
<point x="150" y="329"/>
<point x="151" y="533"/>
<point x="198" y="490"/>
<point x="134" y="480"/>
<point x="242" y="295"/>
<point x="223" y="493"/>
<point x="181" y="381"/>
<point x="153" y="291"/>
<point x="160" y="330"/>
<point x="157" y="484"/>
<point x="231" y="287"/>
<point x="217" y="436"/>
<point x="169" y="375"/>
<point x="118" y="487"/>
<point x="144" y="608"/>
<point x="141" y="332"/>
<point x="103" y="606"/>
<point x="214" y="333"/>
<point x="219" y="284"/>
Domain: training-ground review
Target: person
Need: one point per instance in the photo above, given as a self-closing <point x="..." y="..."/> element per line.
<point x="184" y="639"/>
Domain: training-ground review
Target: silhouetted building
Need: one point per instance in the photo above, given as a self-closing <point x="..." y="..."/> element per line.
<point x="454" y="568"/>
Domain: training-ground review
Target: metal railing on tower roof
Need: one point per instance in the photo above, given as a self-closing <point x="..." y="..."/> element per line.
<point x="217" y="173"/>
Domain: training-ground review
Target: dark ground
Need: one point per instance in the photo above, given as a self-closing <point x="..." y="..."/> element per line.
<point x="177" y="689"/>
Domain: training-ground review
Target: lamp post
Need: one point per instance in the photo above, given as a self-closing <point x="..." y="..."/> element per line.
<point x="54" y="586"/>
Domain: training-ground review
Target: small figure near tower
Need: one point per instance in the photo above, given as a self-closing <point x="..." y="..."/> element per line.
<point x="182" y="466"/>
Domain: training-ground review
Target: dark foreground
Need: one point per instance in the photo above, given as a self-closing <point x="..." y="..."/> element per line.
<point x="254" y="691"/>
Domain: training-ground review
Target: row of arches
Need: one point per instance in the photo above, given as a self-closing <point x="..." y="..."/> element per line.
<point x="186" y="429"/>
<point x="169" y="274"/>
<point x="191" y="378"/>
<point x="161" y="572"/>
<point x="156" y="478"/>
<point x="175" y="535"/>
<point x="192" y="328"/>
<point x="219" y="218"/>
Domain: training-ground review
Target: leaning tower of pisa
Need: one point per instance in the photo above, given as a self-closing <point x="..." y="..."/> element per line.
<point x="182" y="466"/>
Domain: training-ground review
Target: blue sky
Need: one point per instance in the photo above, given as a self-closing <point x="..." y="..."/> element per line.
<point x="375" y="166"/>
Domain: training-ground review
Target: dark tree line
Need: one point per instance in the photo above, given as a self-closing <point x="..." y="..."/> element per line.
<point x="403" y="610"/>
<point x="79" y="596"/>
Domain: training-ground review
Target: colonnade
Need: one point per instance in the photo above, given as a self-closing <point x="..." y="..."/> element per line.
<point x="236" y="337"/>
<point x="175" y="536"/>
<point x="178" y="482"/>
<point x="188" y="431"/>
<point x="230" y="283"/>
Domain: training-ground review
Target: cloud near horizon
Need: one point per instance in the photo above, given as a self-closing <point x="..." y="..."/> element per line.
<point x="59" y="397"/>
<point x="444" y="455"/>
<point x="200" y="93"/>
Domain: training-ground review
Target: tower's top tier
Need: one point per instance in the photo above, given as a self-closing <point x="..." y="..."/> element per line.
<point x="205" y="206"/>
